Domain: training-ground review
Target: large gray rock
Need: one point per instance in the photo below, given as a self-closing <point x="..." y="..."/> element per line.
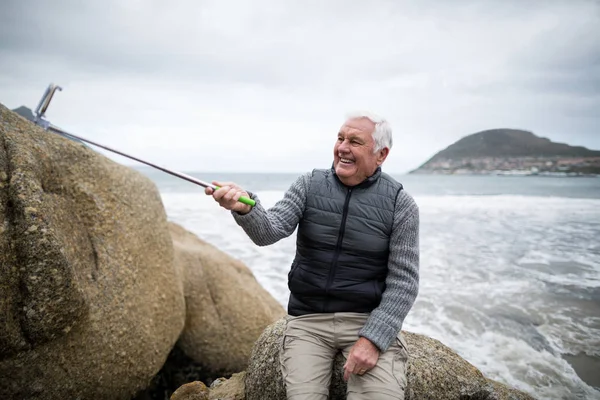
<point x="91" y="302"/>
<point x="434" y="372"/>
<point x="227" y="309"/>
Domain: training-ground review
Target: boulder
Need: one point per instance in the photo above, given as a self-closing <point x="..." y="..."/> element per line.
<point x="434" y="372"/>
<point x="91" y="300"/>
<point x="226" y="308"/>
<point x="228" y="389"/>
<point x="191" y="391"/>
<point x="221" y="389"/>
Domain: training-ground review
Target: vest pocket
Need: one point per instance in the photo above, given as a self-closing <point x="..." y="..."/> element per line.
<point x="296" y="279"/>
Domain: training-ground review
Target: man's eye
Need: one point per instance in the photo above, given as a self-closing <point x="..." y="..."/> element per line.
<point x="340" y="139"/>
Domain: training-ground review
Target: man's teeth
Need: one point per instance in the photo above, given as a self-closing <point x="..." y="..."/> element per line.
<point x="346" y="161"/>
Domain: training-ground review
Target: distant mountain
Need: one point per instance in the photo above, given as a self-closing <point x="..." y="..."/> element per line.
<point x="510" y="150"/>
<point x="511" y="143"/>
<point x="26" y="113"/>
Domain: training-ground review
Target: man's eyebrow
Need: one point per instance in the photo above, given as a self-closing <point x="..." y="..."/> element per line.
<point x="350" y="135"/>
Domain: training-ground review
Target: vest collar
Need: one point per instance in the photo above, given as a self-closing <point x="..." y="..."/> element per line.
<point x="366" y="183"/>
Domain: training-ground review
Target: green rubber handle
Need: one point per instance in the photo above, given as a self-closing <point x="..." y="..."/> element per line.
<point x="247" y="200"/>
<point x="244" y="199"/>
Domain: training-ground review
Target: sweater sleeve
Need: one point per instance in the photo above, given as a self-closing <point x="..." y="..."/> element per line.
<point x="402" y="281"/>
<point x="267" y="226"/>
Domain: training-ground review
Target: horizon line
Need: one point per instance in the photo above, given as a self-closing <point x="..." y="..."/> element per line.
<point x="245" y="171"/>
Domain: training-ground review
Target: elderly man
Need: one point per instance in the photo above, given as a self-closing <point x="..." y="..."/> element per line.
<point x="355" y="274"/>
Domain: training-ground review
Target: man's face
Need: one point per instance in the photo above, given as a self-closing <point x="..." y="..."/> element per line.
<point x="353" y="156"/>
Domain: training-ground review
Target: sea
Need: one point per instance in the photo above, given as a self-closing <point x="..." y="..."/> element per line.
<point x="509" y="268"/>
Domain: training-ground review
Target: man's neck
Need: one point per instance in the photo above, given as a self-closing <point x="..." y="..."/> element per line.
<point x="351" y="182"/>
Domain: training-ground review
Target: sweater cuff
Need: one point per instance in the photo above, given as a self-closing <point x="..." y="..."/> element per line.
<point x="379" y="333"/>
<point x="250" y="216"/>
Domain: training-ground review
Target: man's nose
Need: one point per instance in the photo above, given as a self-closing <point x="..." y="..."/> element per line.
<point x="344" y="146"/>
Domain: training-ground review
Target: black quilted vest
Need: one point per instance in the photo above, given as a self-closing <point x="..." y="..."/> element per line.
<point x="342" y="245"/>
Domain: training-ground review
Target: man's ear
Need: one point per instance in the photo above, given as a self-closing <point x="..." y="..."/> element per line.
<point x="382" y="155"/>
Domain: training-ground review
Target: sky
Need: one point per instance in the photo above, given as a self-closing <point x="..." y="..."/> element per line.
<point x="265" y="85"/>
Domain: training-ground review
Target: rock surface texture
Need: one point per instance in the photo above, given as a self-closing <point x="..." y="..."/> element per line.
<point x="227" y="309"/>
<point x="91" y="300"/>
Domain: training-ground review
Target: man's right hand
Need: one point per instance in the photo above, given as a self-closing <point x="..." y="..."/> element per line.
<point x="228" y="195"/>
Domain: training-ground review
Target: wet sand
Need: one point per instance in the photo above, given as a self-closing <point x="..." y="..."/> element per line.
<point x="587" y="367"/>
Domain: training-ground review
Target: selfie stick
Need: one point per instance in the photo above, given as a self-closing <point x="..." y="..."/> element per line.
<point x="39" y="120"/>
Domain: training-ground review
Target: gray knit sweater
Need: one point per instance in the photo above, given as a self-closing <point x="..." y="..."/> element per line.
<point x="265" y="227"/>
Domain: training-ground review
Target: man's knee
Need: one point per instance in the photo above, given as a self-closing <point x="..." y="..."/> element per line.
<point x="306" y="392"/>
<point x="305" y="370"/>
<point x="375" y="393"/>
<point x="387" y="381"/>
<point x="306" y="357"/>
<point x="377" y="388"/>
<point x="390" y="386"/>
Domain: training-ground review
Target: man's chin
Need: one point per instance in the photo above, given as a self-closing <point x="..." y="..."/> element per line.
<point x="343" y="171"/>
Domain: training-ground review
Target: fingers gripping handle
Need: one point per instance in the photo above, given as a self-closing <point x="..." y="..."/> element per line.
<point x="247" y="200"/>
<point x="243" y="199"/>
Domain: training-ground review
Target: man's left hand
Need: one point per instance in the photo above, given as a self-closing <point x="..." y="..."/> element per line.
<point x="362" y="358"/>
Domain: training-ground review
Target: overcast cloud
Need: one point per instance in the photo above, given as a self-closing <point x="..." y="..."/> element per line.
<point x="264" y="85"/>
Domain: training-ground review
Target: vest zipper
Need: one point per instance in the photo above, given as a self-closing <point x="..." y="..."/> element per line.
<point x="338" y="247"/>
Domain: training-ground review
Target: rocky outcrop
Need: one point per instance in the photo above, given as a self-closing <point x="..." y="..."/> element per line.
<point x="434" y="372"/>
<point x="191" y="391"/>
<point x="97" y="287"/>
<point x="226" y="308"/>
<point x="91" y="300"/>
<point x="221" y="389"/>
<point x="229" y="389"/>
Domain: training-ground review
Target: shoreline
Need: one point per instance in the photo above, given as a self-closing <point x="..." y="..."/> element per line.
<point x="505" y="174"/>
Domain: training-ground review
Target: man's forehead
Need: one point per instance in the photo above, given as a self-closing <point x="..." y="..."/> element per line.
<point x="358" y="126"/>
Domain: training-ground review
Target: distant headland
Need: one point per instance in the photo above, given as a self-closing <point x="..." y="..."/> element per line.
<point x="511" y="152"/>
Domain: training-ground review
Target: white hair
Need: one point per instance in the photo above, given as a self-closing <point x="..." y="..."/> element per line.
<point x="382" y="134"/>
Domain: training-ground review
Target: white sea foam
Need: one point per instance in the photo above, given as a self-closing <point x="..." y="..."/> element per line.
<point x="509" y="282"/>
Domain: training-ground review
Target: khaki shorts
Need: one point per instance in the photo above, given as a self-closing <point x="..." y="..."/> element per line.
<point x="309" y="346"/>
